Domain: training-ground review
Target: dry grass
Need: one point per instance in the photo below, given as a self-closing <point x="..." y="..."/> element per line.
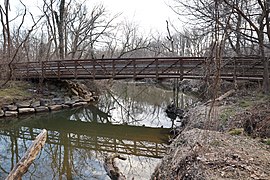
<point x="14" y="90"/>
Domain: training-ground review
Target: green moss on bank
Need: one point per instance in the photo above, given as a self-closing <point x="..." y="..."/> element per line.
<point x="14" y="90"/>
<point x="266" y="141"/>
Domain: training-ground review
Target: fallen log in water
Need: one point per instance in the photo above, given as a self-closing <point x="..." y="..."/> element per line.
<point x="22" y="166"/>
<point x="112" y="169"/>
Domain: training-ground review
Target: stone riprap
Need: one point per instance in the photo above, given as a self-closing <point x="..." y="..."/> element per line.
<point x="43" y="105"/>
<point x="55" y="96"/>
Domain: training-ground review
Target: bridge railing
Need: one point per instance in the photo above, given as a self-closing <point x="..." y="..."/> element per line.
<point x="119" y="68"/>
<point x="27" y="69"/>
<point x="156" y="67"/>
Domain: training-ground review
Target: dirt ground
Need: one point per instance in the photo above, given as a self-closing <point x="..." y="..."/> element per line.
<point x="231" y="142"/>
<point x="202" y="154"/>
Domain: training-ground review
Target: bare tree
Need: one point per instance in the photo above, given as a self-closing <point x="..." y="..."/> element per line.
<point x="132" y="41"/>
<point x="85" y="31"/>
<point x="60" y="25"/>
<point x="244" y="26"/>
<point x="127" y="41"/>
<point x="5" y="22"/>
<point x="51" y="29"/>
<point x="12" y="44"/>
<point x="258" y="21"/>
<point x="75" y="30"/>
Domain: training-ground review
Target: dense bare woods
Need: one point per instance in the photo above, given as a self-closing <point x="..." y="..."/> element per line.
<point x="243" y="26"/>
<point x="70" y="29"/>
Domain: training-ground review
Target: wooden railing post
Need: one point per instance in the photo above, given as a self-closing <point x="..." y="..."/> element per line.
<point x="134" y="68"/>
<point x="27" y="66"/>
<point x="94" y="68"/>
<point x="157" y="65"/>
<point x="58" y="69"/>
<point x="113" y="70"/>
<point x="42" y="69"/>
<point x="181" y="69"/>
<point x="76" y="73"/>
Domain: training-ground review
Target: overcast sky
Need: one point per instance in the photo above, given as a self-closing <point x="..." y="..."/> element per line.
<point x="149" y="14"/>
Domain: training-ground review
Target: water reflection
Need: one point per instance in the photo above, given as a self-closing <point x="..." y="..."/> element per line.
<point x="140" y="104"/>
<point x="127" y="120"/>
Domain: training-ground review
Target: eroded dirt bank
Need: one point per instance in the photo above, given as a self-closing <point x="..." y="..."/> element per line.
<point x="203" y="154"/>
<point x="230" y="143"/>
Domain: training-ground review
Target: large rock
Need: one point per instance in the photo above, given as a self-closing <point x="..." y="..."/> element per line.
<point x="26" y="110"/>
<point x="10" y="108"/>
<point x="80" y="89"/>
<point x="79" y="104"/>
<point x="55" y="107"/>
<point x="23" y="104"/>
<point x="42" y="109"/>
<point x="69" y="103"/>
<point x="45" y="102"/>
<point x="76" y="99"/>
<point x="88" y="98"/>
<point x="58" y="101"/>
<point x="74" y="92"/>
<point x="64" y="106"/>
<point x="35" y="104"/>
<point x="66" y="98"/>
<point x="2" y="113"/>
<point x="11" y="113"/>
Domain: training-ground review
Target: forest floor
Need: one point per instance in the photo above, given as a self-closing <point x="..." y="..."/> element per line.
<point x="232" y="141"/>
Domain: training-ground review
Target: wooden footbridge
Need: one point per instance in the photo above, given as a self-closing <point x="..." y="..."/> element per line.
<point x="246" y="68"/>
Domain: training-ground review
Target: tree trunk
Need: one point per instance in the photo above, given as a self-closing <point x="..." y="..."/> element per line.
<point x="60" y="24"/>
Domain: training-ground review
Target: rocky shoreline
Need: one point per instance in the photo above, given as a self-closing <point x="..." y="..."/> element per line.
<point x="55" y="96"/>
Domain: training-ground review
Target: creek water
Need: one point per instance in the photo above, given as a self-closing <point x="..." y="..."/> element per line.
<point x="129" y="119"/>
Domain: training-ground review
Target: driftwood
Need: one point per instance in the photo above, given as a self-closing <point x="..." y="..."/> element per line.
<point x="220" y="98"/>
<point x="22" y="166"/>
<point x="112" y="169"/>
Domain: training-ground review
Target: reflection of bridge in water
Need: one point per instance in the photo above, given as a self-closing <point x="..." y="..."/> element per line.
<point x="140" y="141"/>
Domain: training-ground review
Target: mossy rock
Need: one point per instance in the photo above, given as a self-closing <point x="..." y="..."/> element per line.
<point x="266" y="141"/>
<point x="236" y="131"/>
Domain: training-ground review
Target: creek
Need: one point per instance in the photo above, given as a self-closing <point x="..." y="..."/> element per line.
<point x="128" y="119"/>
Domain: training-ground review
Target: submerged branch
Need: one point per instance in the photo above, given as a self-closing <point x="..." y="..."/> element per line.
<point x="111" y="168"/>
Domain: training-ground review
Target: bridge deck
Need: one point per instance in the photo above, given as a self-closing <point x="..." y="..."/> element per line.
<point x="138" y="68"/>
